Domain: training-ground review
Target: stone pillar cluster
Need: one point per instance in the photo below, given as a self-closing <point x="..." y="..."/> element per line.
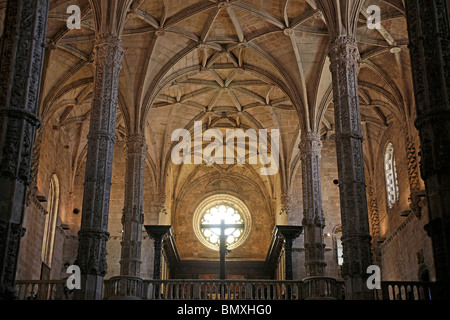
<point x="356" y="238"/>
<point x="133" y="217"/>
<point x="157" y="233"/>
<point x="342" y="20"/>
<point x="94" y="223"/>
<point x="313" y="221"/>
<point x="21" y="60"/>
<point x="429" y="34"/>
<point x="289" y="234"/>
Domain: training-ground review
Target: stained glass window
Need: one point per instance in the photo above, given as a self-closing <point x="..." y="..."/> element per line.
<point x="215" y="215"/>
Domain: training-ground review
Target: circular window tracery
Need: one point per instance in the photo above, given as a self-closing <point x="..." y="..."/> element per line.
<point x="212" y="211"/>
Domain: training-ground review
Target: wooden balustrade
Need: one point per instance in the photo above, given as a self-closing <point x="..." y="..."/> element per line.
<point x="43" y="290"/>
<point x="394" y="290"/>
<point x="322" y="288"/>
<point x="134" y="287"/>
<point x="123" y="287"/>
<point x="221" y="290"/>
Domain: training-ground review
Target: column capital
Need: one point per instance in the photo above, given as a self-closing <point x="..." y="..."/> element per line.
<point x="108" y="39"/>
<point x="289" y="233"/>
<point x="136" y="144"/>
<point x="342" y="40"/>
<point x="157" y="232"/>
<point x="115" y="11"/>
<point x="310" y="143"/>
<point x="341" y="16"/>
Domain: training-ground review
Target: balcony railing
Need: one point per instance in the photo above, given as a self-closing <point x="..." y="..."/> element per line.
<point x="136" y="288"/>
<point x="394" y="290"/>
<point x="43" y="290"/>
<point x="222" y="290"/>
<point x="128" y="287"/>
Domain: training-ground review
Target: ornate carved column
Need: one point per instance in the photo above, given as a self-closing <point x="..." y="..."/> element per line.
<point x="133" y="218"/>
<point x="342" y="19"/>
<point x="289" y="233"/>
<point x="413" y="177"/>
<point x="374" y="223"/>
<point x="356" y="238"/>
<point x="313" y="221"/>
<point x="429" y="34"/>
<point x="94" y="223"/>
<point x="157" y="233"/>
<point x="21" y="60"/>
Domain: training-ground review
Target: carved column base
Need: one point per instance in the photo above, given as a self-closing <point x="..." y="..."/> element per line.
<point x="356" y="289"/>
<point x="92" y="288"/>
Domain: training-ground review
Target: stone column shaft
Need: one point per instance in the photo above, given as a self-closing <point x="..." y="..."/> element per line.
<point x="157" y="233"/>
<point x="133" y="217"/>
<point x="21" y="60"/>
<point x="94" y="223"/>
<point x="289" y="234"/>
<point x="157" y="257"/>
<point x="356" y="238"/>
<point x="429" y="34"/>
<point x="313" y="220"/>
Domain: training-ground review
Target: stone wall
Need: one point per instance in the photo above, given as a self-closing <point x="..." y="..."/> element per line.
<point x="55" y="158"/>
<point x="256" y="245"/>
<point x="29" y="263"/>
<point x="407" y="250"/>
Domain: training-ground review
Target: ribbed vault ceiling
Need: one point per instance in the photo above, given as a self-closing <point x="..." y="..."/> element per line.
<point x="237" y="63"/>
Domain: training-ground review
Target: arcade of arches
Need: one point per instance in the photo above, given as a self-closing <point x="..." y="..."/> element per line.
<point x="87" y="123"/>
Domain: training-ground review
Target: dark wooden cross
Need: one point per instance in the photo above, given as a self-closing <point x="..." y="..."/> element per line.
<point x="222" y="241"/>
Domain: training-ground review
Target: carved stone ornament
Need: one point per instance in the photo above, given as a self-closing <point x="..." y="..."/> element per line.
<point x="22" y="54"/>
